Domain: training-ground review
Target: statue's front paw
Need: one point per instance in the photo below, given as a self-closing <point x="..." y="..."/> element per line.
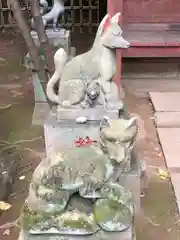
<point x="112" y="216"/>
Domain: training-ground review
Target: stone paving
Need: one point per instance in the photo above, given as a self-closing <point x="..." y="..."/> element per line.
<point x="167" y="119"/>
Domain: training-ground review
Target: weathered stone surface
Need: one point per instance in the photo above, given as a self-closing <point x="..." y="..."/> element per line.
<point x="167" y="119"/>
<point x="60" y="133"/>
<point x="170" y="142"/>
<point x="126" y="235"/>
<point x="165" y="101"/>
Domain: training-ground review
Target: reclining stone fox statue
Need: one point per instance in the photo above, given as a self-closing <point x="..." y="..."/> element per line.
<point x="92" y="70"/>
<point x="77" y="191"/>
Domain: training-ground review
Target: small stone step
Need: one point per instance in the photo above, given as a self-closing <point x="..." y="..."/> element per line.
<point x="125" y="235"/>
<point x="166" y="101"/>
<point x="167" y="119"/>
<point x="170" y="142"/>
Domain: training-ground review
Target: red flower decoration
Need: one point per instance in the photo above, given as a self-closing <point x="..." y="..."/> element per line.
<point x="84" y="142"/>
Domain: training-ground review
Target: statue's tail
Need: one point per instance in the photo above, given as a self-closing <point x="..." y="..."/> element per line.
<point x="60" y="59"/>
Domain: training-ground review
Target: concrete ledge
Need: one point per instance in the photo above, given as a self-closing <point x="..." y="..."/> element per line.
<point x="165" y="101"/>
<point x="40" y="113"/>
<point x="175" y="180"/>
<point x="170" y="142"/>
<point x="167" y="119"/>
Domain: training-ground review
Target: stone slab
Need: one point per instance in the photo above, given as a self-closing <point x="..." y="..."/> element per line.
<point x="39" y="94"/>
<point x="170" y="142"/>
<point x="175" y="180"/>
<point x="64" y="132"/>
<point x="126" y="235"/>
<point x="165" y="101"/>
<point x="92" y="114"/>
<point x="167" y="119"/>
<point x="58" y="134"/>
<point x="40" y="113"/>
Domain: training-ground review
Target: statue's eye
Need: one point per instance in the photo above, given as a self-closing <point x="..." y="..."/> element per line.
<point x="117" y="31"/>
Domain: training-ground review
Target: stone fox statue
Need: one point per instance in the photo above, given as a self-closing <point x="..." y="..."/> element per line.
<point x="98" y="64"/>
<point x="54" y="13"/>
<point x="44" y="6"/>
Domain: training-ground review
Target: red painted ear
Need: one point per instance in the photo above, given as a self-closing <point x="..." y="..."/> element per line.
<point x="106" y="24"/>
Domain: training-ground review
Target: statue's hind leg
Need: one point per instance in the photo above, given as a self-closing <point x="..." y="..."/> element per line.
<point x="114" y="211"/>
<point x="71" y="93"/>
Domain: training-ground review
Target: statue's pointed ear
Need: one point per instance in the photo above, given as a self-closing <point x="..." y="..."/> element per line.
<point x="115" y="18"/>
<point x="102" y="23"/>
<point x="131" y="122"/>
<point x="105" y="18"/>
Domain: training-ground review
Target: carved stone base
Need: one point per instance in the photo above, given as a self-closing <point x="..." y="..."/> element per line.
<point x="126" y="235"/>
<point x="92" y="114"/>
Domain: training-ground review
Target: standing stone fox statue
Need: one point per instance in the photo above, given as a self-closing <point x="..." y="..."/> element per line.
<point x="53" y="15"/>
<point x="98" y="64"/>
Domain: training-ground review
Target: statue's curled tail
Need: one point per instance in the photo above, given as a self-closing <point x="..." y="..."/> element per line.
<point x="60" y="59"/>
